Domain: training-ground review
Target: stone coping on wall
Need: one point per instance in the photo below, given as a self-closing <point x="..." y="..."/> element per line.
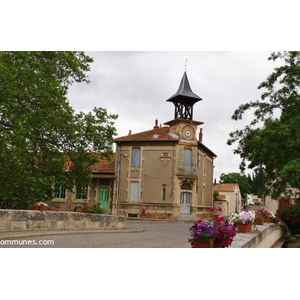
<point x="19" y="220"/>
<point x="261" y="236"/>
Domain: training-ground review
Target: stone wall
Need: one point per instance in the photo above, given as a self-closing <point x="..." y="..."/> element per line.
<point x="261" y="236"/>
<point x="17" y="220"/>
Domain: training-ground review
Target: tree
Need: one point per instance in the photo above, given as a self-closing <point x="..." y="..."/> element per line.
<point x="241" y="180"/>
<point x="272" y="143"/>
<point x="42" y="139"/>
<point x="257" y="182"/>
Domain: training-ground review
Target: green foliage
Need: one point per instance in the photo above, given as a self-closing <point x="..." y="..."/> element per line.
<point x="216" y="195"/>
<point x="238" y="178"/>
<point x="271" y="143"/>
<point x="290" y="215"/>
<point x="96" y="209"/>
<point x="257" y="182"/>
<point x="39" y="131"/>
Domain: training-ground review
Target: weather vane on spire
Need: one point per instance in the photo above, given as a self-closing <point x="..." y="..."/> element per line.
<point x="185" y="65"/>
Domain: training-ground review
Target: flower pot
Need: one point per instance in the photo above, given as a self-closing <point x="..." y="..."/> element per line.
<point x="259" y="221"/>
<point x="244" y="228"/>
<point x="78" y="209"/>
<point x="43" y="208"/>
<point x="204" y="243"/>
<point x="267" y="220"/>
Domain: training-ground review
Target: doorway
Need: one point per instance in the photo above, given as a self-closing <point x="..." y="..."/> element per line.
<point x="185" y="203"/>
<point x="103" y="198"/>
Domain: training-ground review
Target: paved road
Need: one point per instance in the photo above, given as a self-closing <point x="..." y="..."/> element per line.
<point x="155" y="234"/>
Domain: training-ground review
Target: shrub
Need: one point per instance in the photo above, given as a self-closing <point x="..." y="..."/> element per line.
<point x="96" y="209"/>
<point x="290" y="215"/>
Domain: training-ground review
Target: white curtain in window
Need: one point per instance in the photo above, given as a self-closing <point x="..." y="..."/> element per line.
<point x="135" y="159"/>
<point x="134" y="191"/>
<point x="187" y="159"/>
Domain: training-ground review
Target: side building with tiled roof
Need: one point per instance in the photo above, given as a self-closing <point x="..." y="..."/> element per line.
<point x="166" y="172"/>
<point x="229" y="199"/>
<point x="100" y="190"/>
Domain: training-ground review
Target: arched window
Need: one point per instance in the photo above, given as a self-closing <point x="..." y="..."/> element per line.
<point x="186" y="186"/>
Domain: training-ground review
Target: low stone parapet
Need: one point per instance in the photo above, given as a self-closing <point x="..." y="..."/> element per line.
<point x="18" y="220"/>
<point x="261" y="236"/>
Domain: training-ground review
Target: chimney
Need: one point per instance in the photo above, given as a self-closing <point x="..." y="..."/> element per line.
<point x="156" y="128"/>
<point x="200" y="135"/>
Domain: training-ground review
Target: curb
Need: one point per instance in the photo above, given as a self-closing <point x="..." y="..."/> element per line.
<point x="11" y="235"/>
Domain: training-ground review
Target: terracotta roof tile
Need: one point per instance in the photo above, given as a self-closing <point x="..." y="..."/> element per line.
<point x="157" y="134"/>
<point x="105" y="165"/>
<point x="224" y="187"/>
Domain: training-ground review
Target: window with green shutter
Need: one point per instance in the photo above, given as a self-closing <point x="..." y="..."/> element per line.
<point x="59" y="190"/>
<point x="81" y="193"/>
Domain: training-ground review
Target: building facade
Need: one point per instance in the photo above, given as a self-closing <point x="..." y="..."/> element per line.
<point x="166" y="172"/>
<point x="229" y="199"/>
<point x="100" y="190"/>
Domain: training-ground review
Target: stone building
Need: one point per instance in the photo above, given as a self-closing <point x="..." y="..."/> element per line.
<point x="101" y="189"/>
<point x="229" y="199"/>
<point x="165" y="172"/>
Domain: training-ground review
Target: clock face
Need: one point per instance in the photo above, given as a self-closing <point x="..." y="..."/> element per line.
<point x="188" y="133"/>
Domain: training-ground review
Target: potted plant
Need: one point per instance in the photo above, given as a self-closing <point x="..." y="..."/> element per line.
<point x="225" y="231"/>
<point x="245" y="220"/>
<point x="78" y="208"/>
<point x="267" y="214"/>
<point x="217" y="232"/>
<point x="42" y="206"/>
<point x="202" y="234"/>
<point x="259" y="217"/>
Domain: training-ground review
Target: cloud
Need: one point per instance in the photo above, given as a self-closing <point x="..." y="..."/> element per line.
<point x="136" y="85"/>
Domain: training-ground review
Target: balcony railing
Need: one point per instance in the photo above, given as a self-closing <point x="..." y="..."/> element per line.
<point x="187" y="171"/>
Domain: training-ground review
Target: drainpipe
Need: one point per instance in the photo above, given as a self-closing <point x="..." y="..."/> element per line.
<point x="118" y="167"/>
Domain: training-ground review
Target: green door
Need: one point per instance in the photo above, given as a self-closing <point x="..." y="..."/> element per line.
<point x="103" y="198"/>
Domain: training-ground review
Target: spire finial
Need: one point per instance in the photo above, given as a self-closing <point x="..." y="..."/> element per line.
<point x="185" y="65"/>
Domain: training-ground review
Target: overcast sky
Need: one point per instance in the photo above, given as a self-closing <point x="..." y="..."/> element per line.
<point x="136" y="85"/>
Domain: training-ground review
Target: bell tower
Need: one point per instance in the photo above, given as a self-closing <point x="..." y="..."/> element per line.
<point x="184" y="100"/>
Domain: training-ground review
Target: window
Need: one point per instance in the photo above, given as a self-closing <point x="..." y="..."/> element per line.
<point x="134" y="191"/>
<point x="81" y="193"/>
<point x="203" y="195"/>
<point x="135" y="159"/>
<point x="104" y="181"/>
<point x="186" y="186"/>
<point x="60" y="190"/>
<point x="164" y="192"/>
<point x="187" y="160"/>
